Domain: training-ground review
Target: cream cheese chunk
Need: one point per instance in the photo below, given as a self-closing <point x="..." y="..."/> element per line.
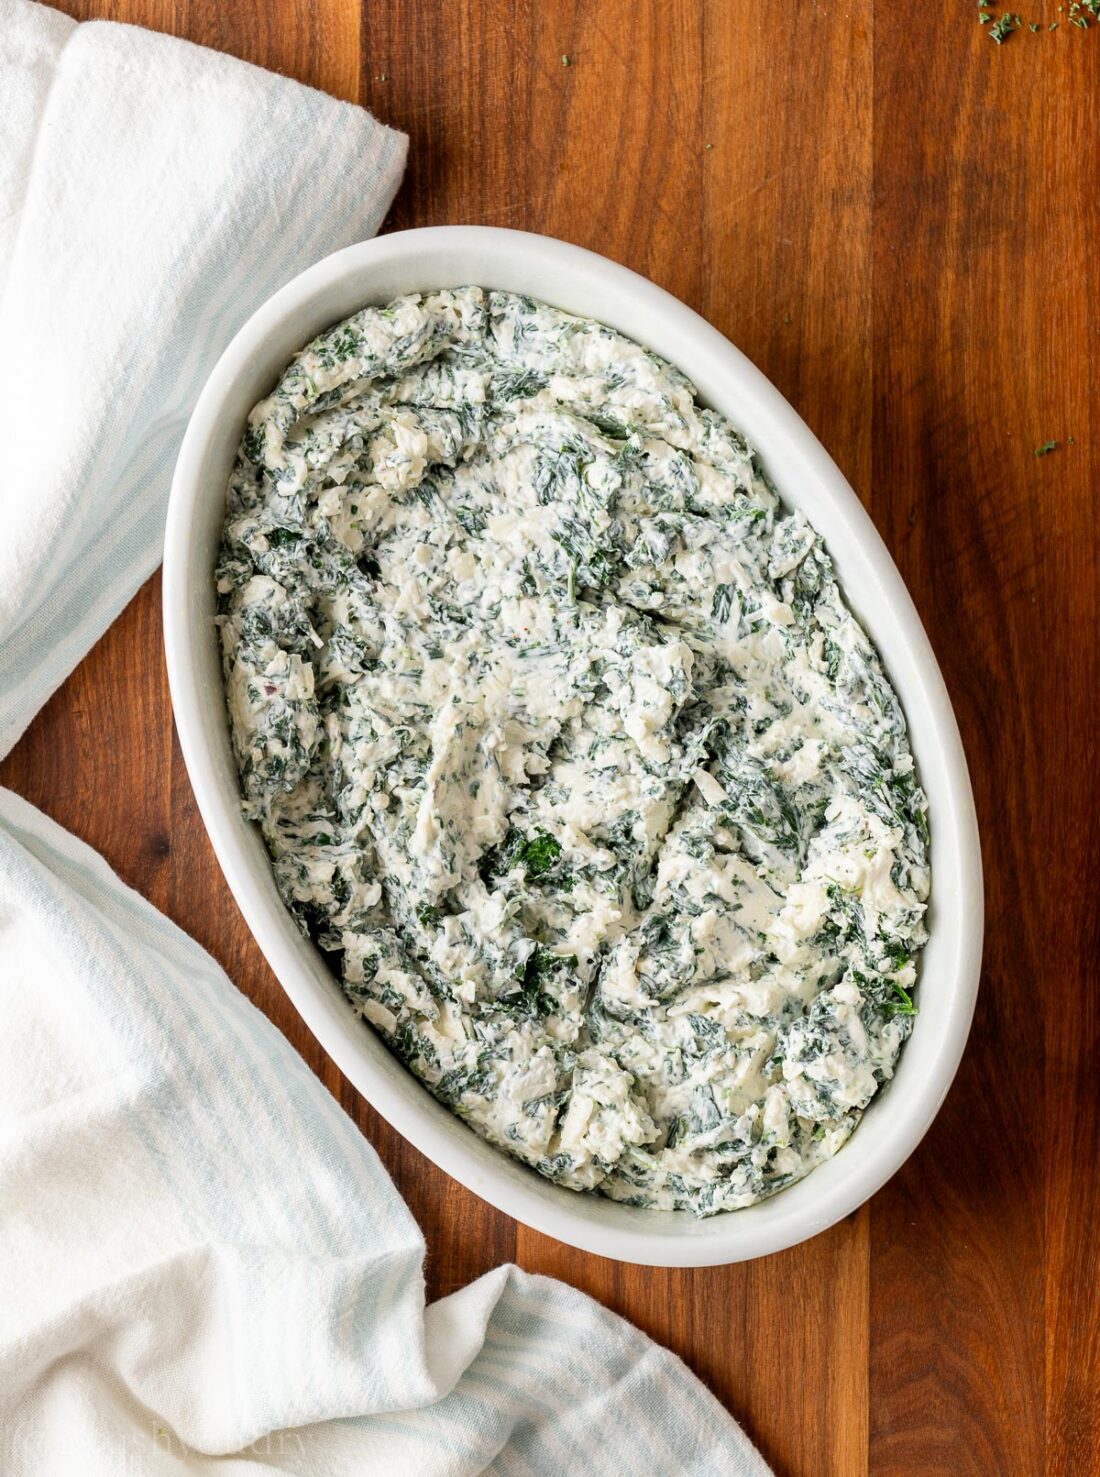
<point x="567" y="750"/>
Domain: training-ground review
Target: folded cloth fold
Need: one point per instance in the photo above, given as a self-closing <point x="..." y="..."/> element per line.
<point x="152" y="195"/>
<point x="203" y="1256"/>
<point x="203" y="1265"/>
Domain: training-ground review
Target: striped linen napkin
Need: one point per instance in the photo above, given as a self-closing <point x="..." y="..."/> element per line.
<point x="152" y="195"/>
<point x="203" y="1265"/>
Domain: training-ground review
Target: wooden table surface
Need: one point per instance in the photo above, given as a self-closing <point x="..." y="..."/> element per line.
<point x="897" y="220"/>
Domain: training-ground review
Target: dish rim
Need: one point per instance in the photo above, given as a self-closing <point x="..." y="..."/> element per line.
<point x="725" y="377"/>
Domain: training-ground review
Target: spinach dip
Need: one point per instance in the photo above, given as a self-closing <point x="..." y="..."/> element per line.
<point x="567" y="750"/>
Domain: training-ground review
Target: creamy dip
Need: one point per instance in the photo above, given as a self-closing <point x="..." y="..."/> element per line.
<point x="567" y="750"/>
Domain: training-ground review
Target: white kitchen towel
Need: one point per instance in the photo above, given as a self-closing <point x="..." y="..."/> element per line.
<point x="152" y="195"/>
<point x="203" y="1265"/>
<point x="201" y="1254"/>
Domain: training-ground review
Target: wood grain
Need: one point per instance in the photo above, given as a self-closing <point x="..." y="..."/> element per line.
<point x="894" y="219"/>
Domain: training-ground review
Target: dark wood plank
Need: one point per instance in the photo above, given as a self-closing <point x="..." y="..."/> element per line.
<point x="983" y="346"/>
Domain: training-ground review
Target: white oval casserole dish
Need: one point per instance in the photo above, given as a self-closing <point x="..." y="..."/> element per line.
<point x="806" y="477"/>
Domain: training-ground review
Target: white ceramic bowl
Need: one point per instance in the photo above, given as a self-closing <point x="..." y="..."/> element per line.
<point x="583" y="283"/>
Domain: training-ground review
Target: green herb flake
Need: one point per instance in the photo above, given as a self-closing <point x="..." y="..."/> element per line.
<point x="1046" y="448"/>
<point x="722" y="602"/>
<point x="1001" y="30"/>
<point x="904" y="1003"/>
<point x="539" y="854"/>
